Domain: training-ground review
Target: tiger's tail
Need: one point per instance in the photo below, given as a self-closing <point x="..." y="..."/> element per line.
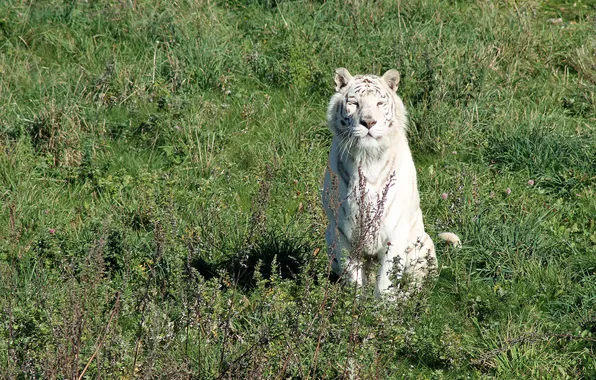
<point x="450" y="238"/>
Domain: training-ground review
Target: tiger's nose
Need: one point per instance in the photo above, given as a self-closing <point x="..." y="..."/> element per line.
<point x="368" y="123"/>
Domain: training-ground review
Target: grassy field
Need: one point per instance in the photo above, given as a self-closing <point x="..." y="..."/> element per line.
<point x="160" y="173"/>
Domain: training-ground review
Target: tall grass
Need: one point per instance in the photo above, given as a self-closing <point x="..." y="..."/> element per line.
<point x="160" y="175"/>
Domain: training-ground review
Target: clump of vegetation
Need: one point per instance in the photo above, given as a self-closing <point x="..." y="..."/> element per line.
<point x="160" y="174"/>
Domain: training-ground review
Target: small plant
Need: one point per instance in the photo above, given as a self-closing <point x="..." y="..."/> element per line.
<point x="160" y="166"/>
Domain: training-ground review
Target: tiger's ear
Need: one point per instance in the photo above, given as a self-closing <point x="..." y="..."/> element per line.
<point x="342" y="77"/>
<point x="391" y="77"/>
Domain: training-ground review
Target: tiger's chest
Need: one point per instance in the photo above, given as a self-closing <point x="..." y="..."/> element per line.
<point x="366" y="215"/>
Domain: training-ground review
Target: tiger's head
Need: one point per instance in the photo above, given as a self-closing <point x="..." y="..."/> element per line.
<point x="365" y="111"/>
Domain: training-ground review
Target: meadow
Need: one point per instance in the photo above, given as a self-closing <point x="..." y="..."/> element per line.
<point x="160" y="173"/>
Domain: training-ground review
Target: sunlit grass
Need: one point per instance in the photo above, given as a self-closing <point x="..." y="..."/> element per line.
<point x="160" y="175"/>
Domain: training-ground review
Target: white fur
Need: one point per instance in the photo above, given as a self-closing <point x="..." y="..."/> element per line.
<point x="451" y="238"/>
<point x="355" y="151"/>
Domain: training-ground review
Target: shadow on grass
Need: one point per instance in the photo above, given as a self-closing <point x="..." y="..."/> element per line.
<point x="272" y="252"/>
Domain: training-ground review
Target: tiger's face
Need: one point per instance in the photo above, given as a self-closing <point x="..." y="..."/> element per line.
<point x="365" y="112"/>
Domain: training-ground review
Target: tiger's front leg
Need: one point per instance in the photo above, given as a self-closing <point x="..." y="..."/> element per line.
<point x="342" y="263"/>
<point x="394" y="254"/>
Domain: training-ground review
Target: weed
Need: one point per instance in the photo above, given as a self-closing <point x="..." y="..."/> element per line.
<point x="160" y="166"/>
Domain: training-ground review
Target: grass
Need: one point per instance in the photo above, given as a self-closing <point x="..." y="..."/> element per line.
<point x="160" y="175"/>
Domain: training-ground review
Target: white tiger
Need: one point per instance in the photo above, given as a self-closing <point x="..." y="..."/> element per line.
<point x="370" y="193"/>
